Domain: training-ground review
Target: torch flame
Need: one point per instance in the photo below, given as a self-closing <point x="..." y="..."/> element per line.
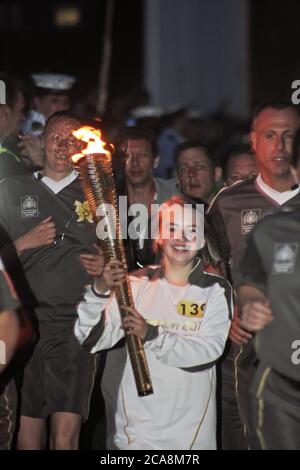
<point x="95" y="144"/>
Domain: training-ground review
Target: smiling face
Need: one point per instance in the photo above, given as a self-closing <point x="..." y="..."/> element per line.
<point x="180" y="235"/>
<point x="272" y="138"/>
<point x="59" y="146"/>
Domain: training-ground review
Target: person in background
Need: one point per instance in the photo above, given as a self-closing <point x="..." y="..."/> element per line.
<point x="11" y="114"/>
<point x="51" y="94"/>
<point x="139" y="154"/>
<point x="240" y="165"/>
<point x="171" y="136"/>
<point x="145" y="116"/>
<point x="197" y="171"/>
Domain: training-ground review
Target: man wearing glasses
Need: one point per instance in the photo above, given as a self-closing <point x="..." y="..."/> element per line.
<point x="46" y="216"/>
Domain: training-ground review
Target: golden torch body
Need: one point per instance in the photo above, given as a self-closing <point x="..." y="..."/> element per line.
<point x="96" y="175"/>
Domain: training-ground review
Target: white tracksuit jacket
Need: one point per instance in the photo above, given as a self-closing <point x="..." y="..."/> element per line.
<point x="191" y="327"/>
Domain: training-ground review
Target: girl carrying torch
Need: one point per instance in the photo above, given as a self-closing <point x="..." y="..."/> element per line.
<point x="183" y="315"/>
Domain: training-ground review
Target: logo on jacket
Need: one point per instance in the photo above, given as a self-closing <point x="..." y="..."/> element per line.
<point x="249" y="218"/>
<point x="30" y="206"/>
<point x="284" y="258"/>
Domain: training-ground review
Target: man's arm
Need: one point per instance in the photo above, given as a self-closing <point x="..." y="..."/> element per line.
<point x="255" y="308"/>
<point x="41" y="235"/>
<point x="248" y="293"/>
<point x="252" y="287"/>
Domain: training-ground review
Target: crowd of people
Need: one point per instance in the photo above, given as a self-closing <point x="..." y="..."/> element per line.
<point x="215" y="301"/>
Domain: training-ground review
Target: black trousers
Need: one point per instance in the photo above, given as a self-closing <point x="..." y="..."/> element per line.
<point x="8" y="411"/>
<point x="232" y="429"/>
<point x="276" y="411"/>
<point x="246" y="365"/>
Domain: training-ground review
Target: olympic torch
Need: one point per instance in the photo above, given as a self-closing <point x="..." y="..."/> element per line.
<point x="96" y="175"/>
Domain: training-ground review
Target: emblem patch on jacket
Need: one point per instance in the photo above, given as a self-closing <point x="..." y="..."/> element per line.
<point x="249" y="218"/>
<point x="29" y="206"/>
<point x="284" y="258"/>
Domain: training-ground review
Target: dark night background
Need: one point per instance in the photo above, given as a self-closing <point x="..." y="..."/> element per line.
<point x="30" y="42"/>
<point x="275" y="40"/>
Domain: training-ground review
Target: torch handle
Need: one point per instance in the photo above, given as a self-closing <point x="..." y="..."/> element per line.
<point x="134" y="344"/>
